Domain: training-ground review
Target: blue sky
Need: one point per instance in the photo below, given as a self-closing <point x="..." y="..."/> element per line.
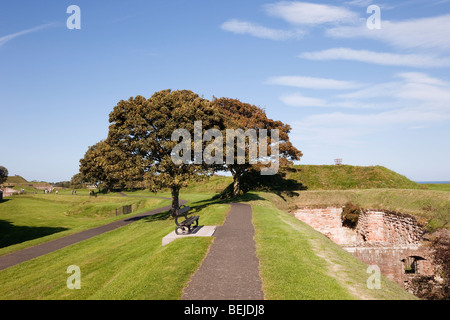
<point x="368" y="96"/>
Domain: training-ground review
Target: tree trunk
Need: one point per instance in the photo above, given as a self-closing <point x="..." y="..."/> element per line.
<point x="175" y="201"/>
<point x="236" y="184"/>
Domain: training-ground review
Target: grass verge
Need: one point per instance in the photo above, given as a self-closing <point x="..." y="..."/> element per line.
<point x="32" y="219"/>
<point x="127" y="263"/>
<point x="299" y="263"/>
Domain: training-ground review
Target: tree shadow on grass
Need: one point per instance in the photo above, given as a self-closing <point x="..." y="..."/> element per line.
<point x="200" y="205"/>
<point x="277" y="183"/>
<point x="165" y="215"/>
<point x="252" y="181"/>
<point x="11" y="234"/>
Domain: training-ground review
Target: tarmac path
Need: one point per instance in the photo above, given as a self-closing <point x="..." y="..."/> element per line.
<point x="230" y="270"/>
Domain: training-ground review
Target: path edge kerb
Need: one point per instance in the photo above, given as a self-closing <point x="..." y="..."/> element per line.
<point x="257" y="255"/>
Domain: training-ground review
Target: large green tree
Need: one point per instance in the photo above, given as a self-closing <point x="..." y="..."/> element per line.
<point x="244" y="116"/>
<point x="143" y="129"/>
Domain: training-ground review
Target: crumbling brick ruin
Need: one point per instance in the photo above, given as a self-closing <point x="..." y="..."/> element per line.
<point x="392" y="241"/>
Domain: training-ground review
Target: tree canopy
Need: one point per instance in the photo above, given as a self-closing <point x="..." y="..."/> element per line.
<point x="150" y="143"/>
<point x="240" y="115"/>
<point x="105" y="165"/>
<point x="142" y="129"/>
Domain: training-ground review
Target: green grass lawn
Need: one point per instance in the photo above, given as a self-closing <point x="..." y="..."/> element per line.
<point x="296" y="262"/>
<point x="27" y="220"/>
<point x="437" y="186"/>
<point x="127" y="263"/>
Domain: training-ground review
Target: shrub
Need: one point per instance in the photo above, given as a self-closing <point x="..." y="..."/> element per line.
<point x="350" y="215"/>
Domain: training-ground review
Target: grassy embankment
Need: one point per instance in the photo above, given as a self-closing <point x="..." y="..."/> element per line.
<point x="296" y="262"/>
<point x="127" y="263"/>
<point x="27" y="220"/>
<point x="343" y="177"/>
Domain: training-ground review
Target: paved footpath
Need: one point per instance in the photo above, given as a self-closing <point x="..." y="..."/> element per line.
<point x="230" y="269"/>
<point x="17" y="257"/>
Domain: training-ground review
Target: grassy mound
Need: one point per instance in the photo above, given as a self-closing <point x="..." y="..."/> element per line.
<point x="15" y="180"/>
<point x="342" y="177"/>
<point x="310" y="177"/>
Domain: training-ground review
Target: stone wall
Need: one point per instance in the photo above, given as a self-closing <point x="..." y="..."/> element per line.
<point x="395" y="261"/>
<point x="388" y="227"/>
<point x="9" y="192"/>
<point x="327" y="221"/>
<point x="392" y="241"/>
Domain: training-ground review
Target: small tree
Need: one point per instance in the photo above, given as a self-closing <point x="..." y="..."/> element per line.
<point x="350" y="215"/>
<point x="3" y="174"/>
<point x="107" y="166"/>
<point x="78" y="181"/>
<point x="92" y="165"/>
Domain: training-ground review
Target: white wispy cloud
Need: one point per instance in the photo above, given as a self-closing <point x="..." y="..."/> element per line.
<point x="374" y="120"/>
<point x="422" y="33"/>
<point x="244" y="27"/>
<point x="360" y="3"/>
<point x="299" y="13"/>
<point x="298" y="100"/>
<point x="348" y="129"/>
<point x="416" y="101"/>
<point x="415" y="86"/>
<point x="380" y="58"/>
<point x="421" y="87"/>
<point x="419" y="77"/>
<point x="374" y="91"/>
<point x="12" y="36"/>
<point x="313" y="83"/>
<point x="408" y="89"/>
<point x="366" y="3"/>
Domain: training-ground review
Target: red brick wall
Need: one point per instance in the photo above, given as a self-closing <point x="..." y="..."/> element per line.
<point x="327" y="221"/>
<point x="380" y="238"/>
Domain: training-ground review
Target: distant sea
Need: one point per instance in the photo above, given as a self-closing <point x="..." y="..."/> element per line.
<point x="433" y="182"/>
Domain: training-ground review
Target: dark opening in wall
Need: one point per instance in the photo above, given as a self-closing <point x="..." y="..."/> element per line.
<point x="411" y="264"/>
